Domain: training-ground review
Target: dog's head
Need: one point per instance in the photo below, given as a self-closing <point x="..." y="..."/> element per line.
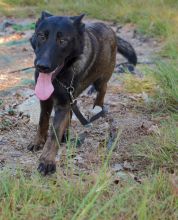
<point x="56" y="41"/>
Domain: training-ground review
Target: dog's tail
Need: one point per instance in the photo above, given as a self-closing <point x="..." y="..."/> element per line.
<point x="126" y="49"/>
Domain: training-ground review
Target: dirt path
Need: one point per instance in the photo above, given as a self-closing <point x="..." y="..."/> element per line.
<point x="17" y="129"/>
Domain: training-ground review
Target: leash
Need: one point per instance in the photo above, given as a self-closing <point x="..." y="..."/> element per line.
<point x="73" y="103"/>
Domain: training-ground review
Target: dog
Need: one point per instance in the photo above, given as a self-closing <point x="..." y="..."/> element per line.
<point x="70" y="56"/>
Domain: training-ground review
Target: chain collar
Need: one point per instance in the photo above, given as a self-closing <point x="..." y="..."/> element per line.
<point x="69" y="89"/>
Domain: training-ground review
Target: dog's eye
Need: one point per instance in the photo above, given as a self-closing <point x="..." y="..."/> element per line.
<point x="41" y="36"/>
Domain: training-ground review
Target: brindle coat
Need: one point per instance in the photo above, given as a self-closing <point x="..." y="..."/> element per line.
<point x="89" y="55"/>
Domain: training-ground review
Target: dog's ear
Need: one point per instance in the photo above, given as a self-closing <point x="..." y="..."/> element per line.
<point x="77" y="21"/>
<point x="44" y="14"/>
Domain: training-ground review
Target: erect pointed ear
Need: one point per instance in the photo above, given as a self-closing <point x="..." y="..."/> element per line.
<point x="44" y="15"/>
<point x="77" y="21"/>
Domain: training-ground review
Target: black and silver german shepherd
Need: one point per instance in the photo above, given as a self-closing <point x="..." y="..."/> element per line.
<point x="70" y="56"/>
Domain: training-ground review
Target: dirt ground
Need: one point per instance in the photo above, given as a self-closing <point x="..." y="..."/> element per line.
<point x="17" y="129"/>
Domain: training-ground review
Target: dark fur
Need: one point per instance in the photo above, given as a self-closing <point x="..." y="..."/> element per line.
<point x="89" y="52"/>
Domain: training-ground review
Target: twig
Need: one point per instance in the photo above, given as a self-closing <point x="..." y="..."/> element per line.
<point x="23" y="69"/>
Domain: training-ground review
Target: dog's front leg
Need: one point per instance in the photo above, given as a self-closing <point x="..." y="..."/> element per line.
<point x="40" y="138"/>
<point x="60" y="123"/>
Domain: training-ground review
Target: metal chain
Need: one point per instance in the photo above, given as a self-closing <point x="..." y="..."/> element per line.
<point x="70" y="89"/>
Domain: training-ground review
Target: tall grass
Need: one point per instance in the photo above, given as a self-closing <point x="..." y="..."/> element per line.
<point x="160" y="83"/>
<point x="159" y="151"/>
<point x="87" y="196"/>
<point x="33" y="197"/>
<point x="96" y="196"/>
<point x="166" y="75"/>
<point x="152" y="17"/>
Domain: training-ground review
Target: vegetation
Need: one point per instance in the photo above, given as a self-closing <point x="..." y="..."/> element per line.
<point x="104" y="195"/>
<point x="65" y="197"/>
<point x="153" y="17"/>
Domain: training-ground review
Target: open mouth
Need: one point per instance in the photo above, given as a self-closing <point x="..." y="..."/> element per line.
<point x="44" y="87"/>
<point x="56" y="71"/>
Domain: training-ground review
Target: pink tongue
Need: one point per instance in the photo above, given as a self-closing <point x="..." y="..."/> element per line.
<point x="44" y="87"/>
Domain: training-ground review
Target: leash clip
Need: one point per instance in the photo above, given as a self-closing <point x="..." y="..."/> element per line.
<point x="70" y="90"/>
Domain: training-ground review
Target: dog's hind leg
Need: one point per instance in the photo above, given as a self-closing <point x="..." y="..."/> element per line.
<point x="40" y="138"/>
<point x="61" y="121"/>
<point x="100" y="87"/>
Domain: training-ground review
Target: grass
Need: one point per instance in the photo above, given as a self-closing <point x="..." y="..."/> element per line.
<point x="166" y="75"/>
<point x="96" y="195"/>
<point x="62" y="197"/>
<point x="159" y="151"/>
<point x="159" y="84"/>
<point x="147" y="15"/>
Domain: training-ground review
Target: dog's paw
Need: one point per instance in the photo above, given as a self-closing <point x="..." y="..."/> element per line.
<point x="35" y="147"/>
<point x="46" y="168"/>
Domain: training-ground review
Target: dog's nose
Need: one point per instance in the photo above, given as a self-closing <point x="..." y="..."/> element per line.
<point x="43" y="67"/>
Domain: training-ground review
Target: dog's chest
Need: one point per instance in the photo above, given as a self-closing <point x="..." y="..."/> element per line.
<point x="60" y="94"/>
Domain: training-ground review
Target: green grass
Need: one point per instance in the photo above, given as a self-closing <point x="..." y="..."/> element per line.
<point x="166" y="75"/>
<point x="159" y="151"/>
<point x="27" y="195"/>
<point x="153" y="17"/>
<point x="61" y="197"/>
<point x="147" y="14"/>
<point x="160" y="83"/>
<point x="95" y="195"/>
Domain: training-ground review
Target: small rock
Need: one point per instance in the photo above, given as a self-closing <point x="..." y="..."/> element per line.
<point x="154" y="130"/>
<point x="74" y="118"/>
<point x="24" y="49"/>
<point x="145" y="97"/>
<point x="2" y="159"/>
<point x="78" y="158"/>
<point x="117" y="167"/>
<point x="150" y="128"/>
<point x="96" y="110"/>
<point x="128" y="166"/>
<point x="123" y="176"/>
<point x="16" y="154"/>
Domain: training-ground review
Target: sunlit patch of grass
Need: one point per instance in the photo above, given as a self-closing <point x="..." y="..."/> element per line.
<point x="160" y="84"/>
<point x="134" y="84"/>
